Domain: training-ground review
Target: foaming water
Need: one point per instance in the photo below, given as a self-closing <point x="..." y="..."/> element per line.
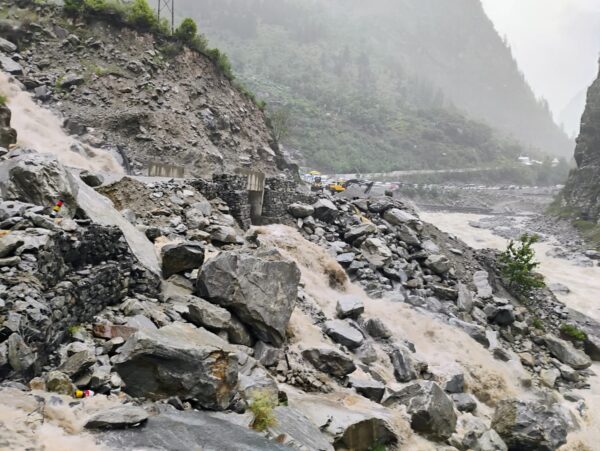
<point x="584" y="284"/>
<point x="27" y="423"/>
<point x="38" y="128"/>
<point x="437" y="343"/>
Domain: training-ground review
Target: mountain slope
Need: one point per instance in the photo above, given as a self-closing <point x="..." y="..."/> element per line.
<point x="388" y="85"/>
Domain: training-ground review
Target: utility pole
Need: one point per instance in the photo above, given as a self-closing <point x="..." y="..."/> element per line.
<point x="166" y="7"/>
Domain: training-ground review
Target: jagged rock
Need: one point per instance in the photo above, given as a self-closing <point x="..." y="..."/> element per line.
<point x="57" y="382"/>
<point x="567" y="353"/>
<point x="465" y="298"/>
<point x="301" y="210"/>
<point x="20" y="356"/>
<point x="329" y="361"/>
<point x="398" y="217"/>
<point x="91" y="179"/>
<point x="8" y="135"/>
<point x="10" y="66"/>
<point x="346" y="258"/>
<point x="530" y="425"/>
<point x="78" y="363"/>
<point x="325" y="210"/>
<point x="377" y="329"/>
<point x="7" y="46"/>
<point x="549" y="377"/>
<point x="376" y="252"/>
<point x="141" y="322"/>
<point x="402" y="361"/>
<point x="481" y="282"/>
<point x="440" y="264"/>
<point x="349" y="306"/>
<point x="117" y="418"/>
<point x="204" y="314"/>
<point x="260" y="289"/>
<point x="450" y="377"/>
<point x="71" y="79"/>
<point x="343" y="333"/>
<point x="369" y="388"/>
<point x="10" y="243"/>
<point x="38" y="179"/>
<point x="110" y="331"/>
<point x="189" y="431"/>
<point x="238" y="334"/>
<point x="224" y="234"/>
<point x="464" y="402"/>
<point x="490" y="441"/>
<point x="503" y="315"/>
<point x="178" y="258"/>
<point x="179" y="360"/>
<point x="431" y="410"/>
<point x="297" y="432"/>
<point x="408" y="235"/>
<point x="359" y="230"/>
<point x="267" y="355"/>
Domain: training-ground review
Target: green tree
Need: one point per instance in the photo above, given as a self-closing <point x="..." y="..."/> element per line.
<point x="73" y="6"/>
<point x="518" y="265"/>
<point x="187" y="30"/>
<point x="281" y="123"/>
<point x="142" y="15"/>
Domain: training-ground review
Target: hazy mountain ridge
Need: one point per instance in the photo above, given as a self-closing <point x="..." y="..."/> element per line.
<point x="368" y="72"/>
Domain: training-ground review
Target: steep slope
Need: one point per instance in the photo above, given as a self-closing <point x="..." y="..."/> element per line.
<point x="383" y="85"/>
<point x="570" y="116"/>
<point x="582" y="192"/>
<point x="119" y="88"/>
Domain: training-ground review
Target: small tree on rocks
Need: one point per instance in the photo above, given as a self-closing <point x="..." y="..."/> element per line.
<point x="518" y="265"/>
<point x="187" y="30"/>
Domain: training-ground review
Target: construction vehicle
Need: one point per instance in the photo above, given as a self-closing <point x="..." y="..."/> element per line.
<point x="339" y="186"/>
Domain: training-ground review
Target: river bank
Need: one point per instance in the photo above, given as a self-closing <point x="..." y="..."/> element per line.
<point x="583" y="283"/>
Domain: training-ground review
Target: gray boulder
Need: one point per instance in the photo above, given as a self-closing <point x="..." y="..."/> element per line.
<point x="117" y="418"/>
<point x="404" y="366"/>
<point x="20" y="356"/>
<point x="360" y="230"/>
<point x="376" y="252"/>
<point x="482" y="283"/>
<point x="465" y="298"/>
<point x="188" y="431"/>
<point x="224" y="234"/>
<point x="301" y="210"/>
<point x="464" y="402"/>
<point x="10" y="66"/>
<point x="530" y="425"/>
<point x="71" y="79"/>
<point x="343" y="333"/>
<point x="91" y="179"/>
<point x="398" y="217"/>
<point x="9" y="244"/>
<point x="38" y="179"/>
<point x="439" y="264"/>
<point x="325" y="210"/>
<point x="408" y="235"/>
<point x="567" y="353"/>
<point x="490" y="441"/>
<point x="261" y="290"/>
<point x="179" y="360"/>
<point x="430" y="409"/>
<point x="204" y="314"/>
<point x="57" y="382"/>
<point x="7" y="46"/>
<point x="369" y="388"/>
<point x="78" y="363"/>
<point x="330" y="361"/>
<point x="181" y="257"/>
<point x="350" y="306"/>
<point x="377" y="329"/>
<point x="298" y="432"/>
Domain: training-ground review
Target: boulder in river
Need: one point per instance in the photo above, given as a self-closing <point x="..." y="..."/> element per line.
<point x="330" y="361"/>
<point x="567" y="353"/>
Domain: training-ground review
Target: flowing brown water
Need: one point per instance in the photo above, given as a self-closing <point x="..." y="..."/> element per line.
<point x="38" y="128"/>
<point x="584" y="284"/>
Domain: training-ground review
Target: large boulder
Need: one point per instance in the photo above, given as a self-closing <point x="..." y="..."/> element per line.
<point x="189" y="431"/>
<point x="349" y="306"/>
<point x="38" y="179"/>
<point x="301" y="210"/>
<point x="204" y="314"/>
<point x="397" y="217"/>
<point x="439" y="264"/>
<point x="297" y="432"/>
<point x="330" y="361"/>
<point x="180" y="257"/>
<point x="430" y="409"/>
<point x="179" y="360"/>
<point x="343" y="333"/>
<point x="360" y="230"/>
<point x="376" y="252"/>
<point x="404" y="366"/>
<point x="567" y="353"/>
<point x="119" y="417"/>
<point x="530" y="425"/>
<point x="482" y="283"/>
<point x="260" y="289"/>
<point x="325" y="210"/>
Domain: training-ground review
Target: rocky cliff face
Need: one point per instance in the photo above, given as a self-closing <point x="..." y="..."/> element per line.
<point x="582" y="191"/>
<point x="120" y="89"/>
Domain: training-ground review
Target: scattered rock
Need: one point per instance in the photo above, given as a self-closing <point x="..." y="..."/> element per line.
<point x="566" y="353"/>
<point x="178" y="258"/>
<point x="343" y="333"/>
<point x="350" y="306"/>
<point x="301" y="210"/>
<point x="329" y="361"/>
<point x="325" y="210"/>
<point x="120" y="417"/>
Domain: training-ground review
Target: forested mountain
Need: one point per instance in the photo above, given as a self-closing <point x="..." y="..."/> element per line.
<point x="385" y="84"/>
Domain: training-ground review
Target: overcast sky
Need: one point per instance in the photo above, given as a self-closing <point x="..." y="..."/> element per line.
<point x="556" y="43"/>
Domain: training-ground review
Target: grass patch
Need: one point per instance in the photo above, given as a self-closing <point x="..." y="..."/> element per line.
<point x="573" y="333"/>
<point x="74" y="329"/>
<point x="538" y="324"/>
<point x="3" y="99"/>
<point x="262" y="406"/>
